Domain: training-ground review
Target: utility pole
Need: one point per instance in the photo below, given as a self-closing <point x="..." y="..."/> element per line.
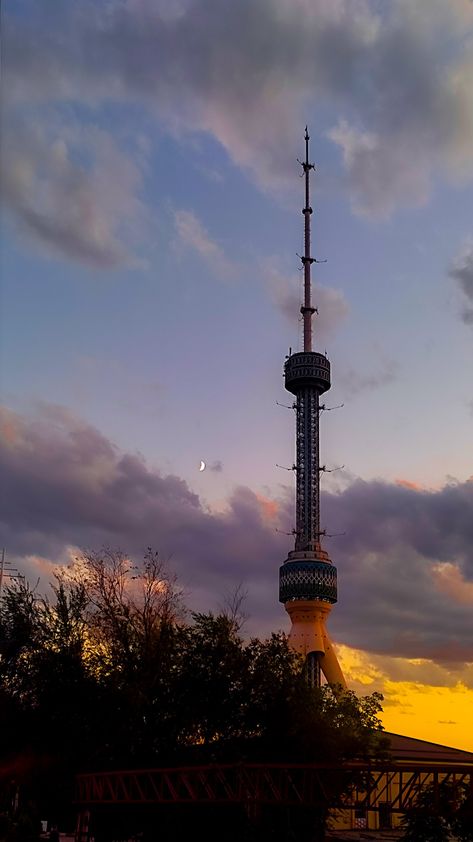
<point x="6" y="571"/>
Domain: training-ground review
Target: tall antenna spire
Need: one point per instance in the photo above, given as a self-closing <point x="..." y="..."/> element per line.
<point x="307" y="310"/>
<point x="308" y="579"/>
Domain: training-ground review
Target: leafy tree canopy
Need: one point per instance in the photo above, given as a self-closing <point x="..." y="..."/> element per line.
<point x="111" y="671"/>
<point x="441" y="813"/>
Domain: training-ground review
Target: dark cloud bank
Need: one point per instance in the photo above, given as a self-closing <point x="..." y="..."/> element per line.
<point x="64" y="483"/>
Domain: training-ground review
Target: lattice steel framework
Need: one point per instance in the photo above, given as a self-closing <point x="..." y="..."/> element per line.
<point x="307" y="376"/>
<point x="308" y="576"/>
<point x="270" y="783"/>
<point x="308" y="474"/>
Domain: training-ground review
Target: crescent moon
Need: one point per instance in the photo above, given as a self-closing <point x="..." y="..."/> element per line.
<point x="202" y="465"/>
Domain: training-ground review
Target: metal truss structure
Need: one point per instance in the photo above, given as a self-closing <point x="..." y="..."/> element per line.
<point x="290" y="785"/>
<point x="307" y="376"/>
<point x="307" y="469"/>
<point x="308" y="579"/>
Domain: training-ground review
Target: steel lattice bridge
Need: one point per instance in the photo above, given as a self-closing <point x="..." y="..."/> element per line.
<point x="278" y="784"/>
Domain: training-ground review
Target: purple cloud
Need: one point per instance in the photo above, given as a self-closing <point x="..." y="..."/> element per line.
<point x="401" y="563"/>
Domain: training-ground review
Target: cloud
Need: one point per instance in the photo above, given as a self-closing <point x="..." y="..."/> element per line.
<point x="393" y="81"/>
<point x="216" y="466"/>
<point x="395" y="539"/>
<point x="449" y="579"/>
<point x="286" y="294"/>
<point x="380" y="176"/>
<point x="406" y="483"/>
<point x="418" y="690"/>
<point x="193" y="235"/>
<point x="461" y="271"/>
<point x="66" y="485"/>
<point x="72" y="190"/>
<point x="417" y="694"/>
<point x="269" y="507"/>
<point x="373" y="671"/>
<point x="354" y="383"/>
<point x="415" y="112"/>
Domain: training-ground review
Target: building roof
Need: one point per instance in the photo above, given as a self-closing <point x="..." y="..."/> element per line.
<point x="409" y="749"/>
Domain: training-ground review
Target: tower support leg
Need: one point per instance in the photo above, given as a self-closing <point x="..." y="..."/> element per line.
<point x="314" y="677"/>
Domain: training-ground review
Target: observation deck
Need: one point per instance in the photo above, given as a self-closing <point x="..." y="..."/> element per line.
<point x="307" y="368"/>
<point x="306" y="580"/>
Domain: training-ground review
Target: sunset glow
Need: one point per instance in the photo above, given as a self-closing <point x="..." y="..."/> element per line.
<point x="151" y="290"/>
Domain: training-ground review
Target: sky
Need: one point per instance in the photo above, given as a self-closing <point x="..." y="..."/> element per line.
<point x="150" y="291"/>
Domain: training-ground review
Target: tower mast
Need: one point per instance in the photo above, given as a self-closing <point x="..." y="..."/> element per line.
<point x="307" y="310"/>
<point x="308" y="579"/>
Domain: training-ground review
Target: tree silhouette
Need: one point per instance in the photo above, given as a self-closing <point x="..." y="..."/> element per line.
<point x="442" y="811"/>
<point x="110" y="671"/>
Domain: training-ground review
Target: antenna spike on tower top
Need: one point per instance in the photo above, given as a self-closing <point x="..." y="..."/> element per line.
<point x="307" y="310"/>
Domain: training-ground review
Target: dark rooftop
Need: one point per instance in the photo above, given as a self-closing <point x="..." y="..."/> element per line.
<point x="411" y="749"/>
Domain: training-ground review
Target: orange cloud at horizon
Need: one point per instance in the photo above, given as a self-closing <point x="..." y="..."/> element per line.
<point x="437" y="714"/>
<point x="422" y="699"/>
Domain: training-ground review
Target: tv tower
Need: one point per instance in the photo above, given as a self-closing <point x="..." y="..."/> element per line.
<point x="308" y="579"/>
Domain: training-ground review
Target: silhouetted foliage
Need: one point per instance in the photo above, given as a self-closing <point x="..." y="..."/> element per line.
<point x="441" y="813"/>
<point x="110" y="672"/>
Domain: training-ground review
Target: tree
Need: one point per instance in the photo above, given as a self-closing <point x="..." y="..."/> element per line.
<point x="110" y="672"/>
<point x="228" y="692"/>
<point x="78" y="670"/>
<point x="134" y="618"/>
<point x="442" y="811"/>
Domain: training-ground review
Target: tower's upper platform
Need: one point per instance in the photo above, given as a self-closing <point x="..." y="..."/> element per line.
<point x="307" y="368"/>
<point x="308" y="575"/>
<point x="308" y="581"/>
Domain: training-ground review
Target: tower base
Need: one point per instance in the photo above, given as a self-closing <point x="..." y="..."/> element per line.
<point x="309" y="635"/>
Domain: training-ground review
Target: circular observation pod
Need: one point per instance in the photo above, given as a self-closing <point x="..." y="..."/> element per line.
<point x="307" y="580"/>
<point x="307" y="368"/>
